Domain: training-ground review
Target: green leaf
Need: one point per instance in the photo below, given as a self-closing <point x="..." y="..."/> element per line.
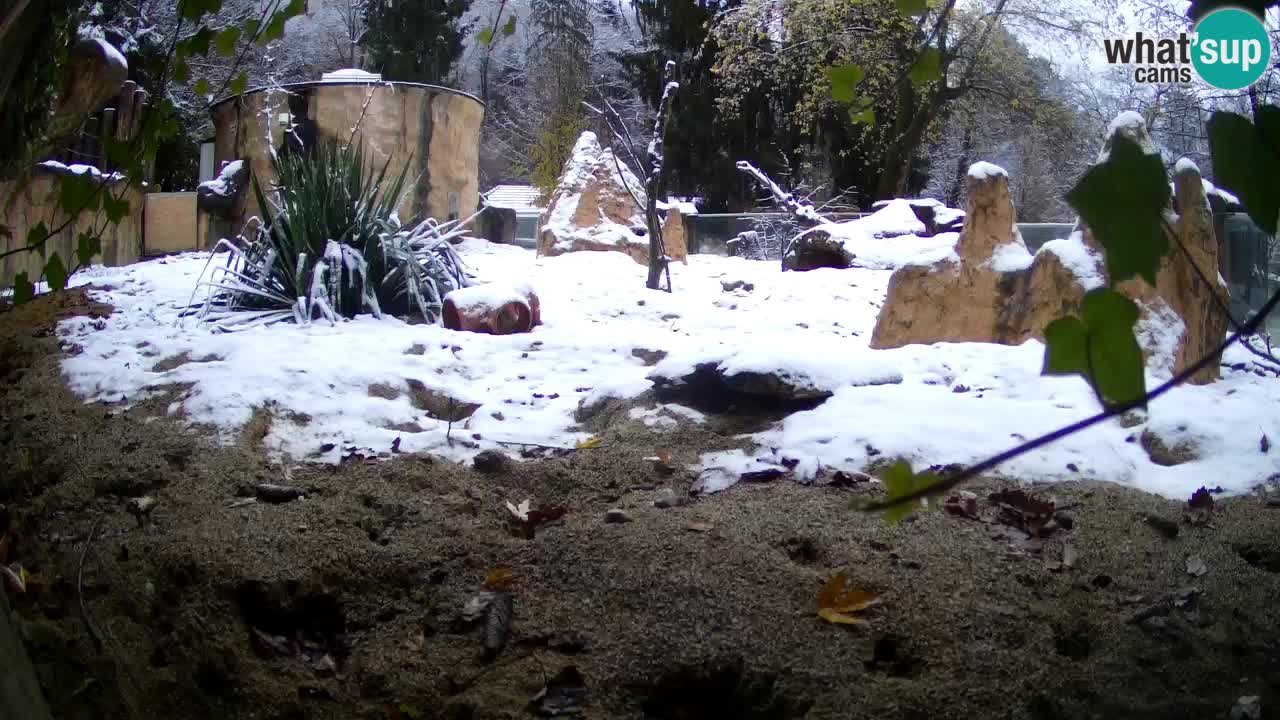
<point x="928" y="67"/>
<point x="1245" y="159"/>
<point x="295" y="8"/>
<point x="509" y="28"/>
<point x="911" y="8"/>
<point x="202" y="87"/>
<point x="251" y="27"/>
<point x="1123" y="201"/>
<point x="78" y="193"/>
<point x="485" y="36"/>
<point x="900" y="481"/>
<point x="37" y="235"/>
<point x="226" y="41"/>
<point x="862" y="117"/>
<point x="181" y="73"/>
<point x="55" y="273"/>
<point x="86" y="247"/>
<point x="843" y="79"/>
<point x="23" y="290"/>
<point x="198" y="43"/>
<point x="116" y="209"/>
<point x="1100" y="347"/>
<point x="240" y="83"/>
<point x="274" y="29"/>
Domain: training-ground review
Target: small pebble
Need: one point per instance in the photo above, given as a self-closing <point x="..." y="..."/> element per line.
<point x="666" y="499"/>
<point x="617" y="515"/>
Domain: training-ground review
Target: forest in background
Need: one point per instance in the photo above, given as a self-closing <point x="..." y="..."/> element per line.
<point x="1016" y="82"/>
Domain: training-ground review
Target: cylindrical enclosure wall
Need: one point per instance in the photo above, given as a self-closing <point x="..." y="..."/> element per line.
<point x="434" y="130"/>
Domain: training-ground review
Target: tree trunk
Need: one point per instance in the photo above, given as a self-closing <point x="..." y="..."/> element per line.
<point x="962" y="165"/>
<point x="20" y="695"/>
<point x="908" y="133"/>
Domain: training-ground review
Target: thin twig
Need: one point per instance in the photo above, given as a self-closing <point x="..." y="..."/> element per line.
<point x="84" y="610"/>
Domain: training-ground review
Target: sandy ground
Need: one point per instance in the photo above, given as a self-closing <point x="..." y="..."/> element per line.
<point x="349" y="603"/>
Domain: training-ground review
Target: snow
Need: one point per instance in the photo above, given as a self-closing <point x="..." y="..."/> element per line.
<point x="1158" y="332"/>
<point x="1079" y="258"/>
<point x="221" y="185"/>
<point x="488" y="296"/>
<point x="894" y="219"/>
<point x="983" y="170"/>
<point x="1211" y="189"/>
<point x="813" y="327"/>
<point x="1128" y="119"/>
<point x="1010" y="257"/>
<point x="78" y="169"/>
<point x="1184" y="164"/>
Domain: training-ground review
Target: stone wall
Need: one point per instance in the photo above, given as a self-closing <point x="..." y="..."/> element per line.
<point x="22" y="207"/>
<point x="433" y="131"/>
<point x="172" y="224"/>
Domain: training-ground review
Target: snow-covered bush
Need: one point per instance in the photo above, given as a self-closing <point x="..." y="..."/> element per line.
<point x="333" y="247"/>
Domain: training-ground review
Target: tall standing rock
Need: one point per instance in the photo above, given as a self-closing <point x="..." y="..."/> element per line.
<point x="963" y="297"/>
<point x="594" y="207"/>
<point x="991" y="290"/>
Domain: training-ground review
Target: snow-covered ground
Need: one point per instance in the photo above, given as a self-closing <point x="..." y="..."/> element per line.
<point x="945" y="403"/>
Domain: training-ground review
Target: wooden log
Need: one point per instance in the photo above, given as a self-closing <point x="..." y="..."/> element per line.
<point x="106" y="131"/>
<point x="139" y="112"/>
<point x="124" y="111"/>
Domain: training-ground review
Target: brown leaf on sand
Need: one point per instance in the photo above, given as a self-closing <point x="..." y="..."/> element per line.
<point x="837" y="603"/>
<point x="499" y="580"/>
<point x="1020" y="510"/>
<point x="525" y="520"/>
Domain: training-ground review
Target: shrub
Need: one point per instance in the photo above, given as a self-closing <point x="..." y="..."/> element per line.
<point x="334" y="247"/>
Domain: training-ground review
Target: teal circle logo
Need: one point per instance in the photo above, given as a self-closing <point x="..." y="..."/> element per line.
<point x="1231" y="49"/>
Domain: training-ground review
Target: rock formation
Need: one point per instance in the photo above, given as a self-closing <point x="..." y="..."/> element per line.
<point x="592" y="208"/>
<point x="838" y="245"/>
<point x="991" y="289"/>
<point x="595" y="208"/>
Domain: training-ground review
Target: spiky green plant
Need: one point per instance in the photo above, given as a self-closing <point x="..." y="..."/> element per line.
<point x="332" y="246"/>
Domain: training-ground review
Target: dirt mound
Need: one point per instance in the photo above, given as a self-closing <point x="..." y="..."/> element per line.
<point x="352" y="601"/>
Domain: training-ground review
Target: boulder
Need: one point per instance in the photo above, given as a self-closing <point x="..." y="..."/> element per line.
<point x="992" y="290"/>
<point x="221" y="196"/>
<point x="496" y="224"/>
<point x="936" y="217"/>
<point x="838" y="245"/>
<point x="594" y="206"/>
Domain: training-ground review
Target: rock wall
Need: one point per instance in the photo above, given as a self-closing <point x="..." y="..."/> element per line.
<point x="22" y="207"/>
<point x="433" y="131"/>
<point x="992" y="290"/>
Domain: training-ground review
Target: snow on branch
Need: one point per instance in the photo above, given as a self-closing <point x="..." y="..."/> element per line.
<point x="803" y="211"/>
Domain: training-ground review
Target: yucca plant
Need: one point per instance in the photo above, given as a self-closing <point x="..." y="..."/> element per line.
<point x="333" y="247"/>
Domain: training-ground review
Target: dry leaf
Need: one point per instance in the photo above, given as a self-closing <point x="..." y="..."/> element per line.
<point x="499" y="579"/>
<point x="699" y="527"/>
<point x="836" y="602"/>
<point x="521" y="511"/>
<point x="663" y="456"/>
<point x="588" y="444"/>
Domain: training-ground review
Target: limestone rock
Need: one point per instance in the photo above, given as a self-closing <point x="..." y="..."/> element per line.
<point x="593" y="207"/>
<point x="1168" y="451"/>
<point x="673" y="236"/>
<point x="991" y="290"/>
<point x="962" y="298"/>
<point x="94" y="74"/>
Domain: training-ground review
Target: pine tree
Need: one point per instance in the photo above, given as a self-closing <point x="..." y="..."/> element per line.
<point x="415" y="40"/>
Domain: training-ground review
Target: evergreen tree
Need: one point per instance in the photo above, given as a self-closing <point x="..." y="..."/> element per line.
<point x="415" y="40"/>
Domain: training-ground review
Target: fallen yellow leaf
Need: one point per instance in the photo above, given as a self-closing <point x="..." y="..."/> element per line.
<point x="588" y="444"/>
<point x="836" y="602"/>
<point x="499" y="579"/>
